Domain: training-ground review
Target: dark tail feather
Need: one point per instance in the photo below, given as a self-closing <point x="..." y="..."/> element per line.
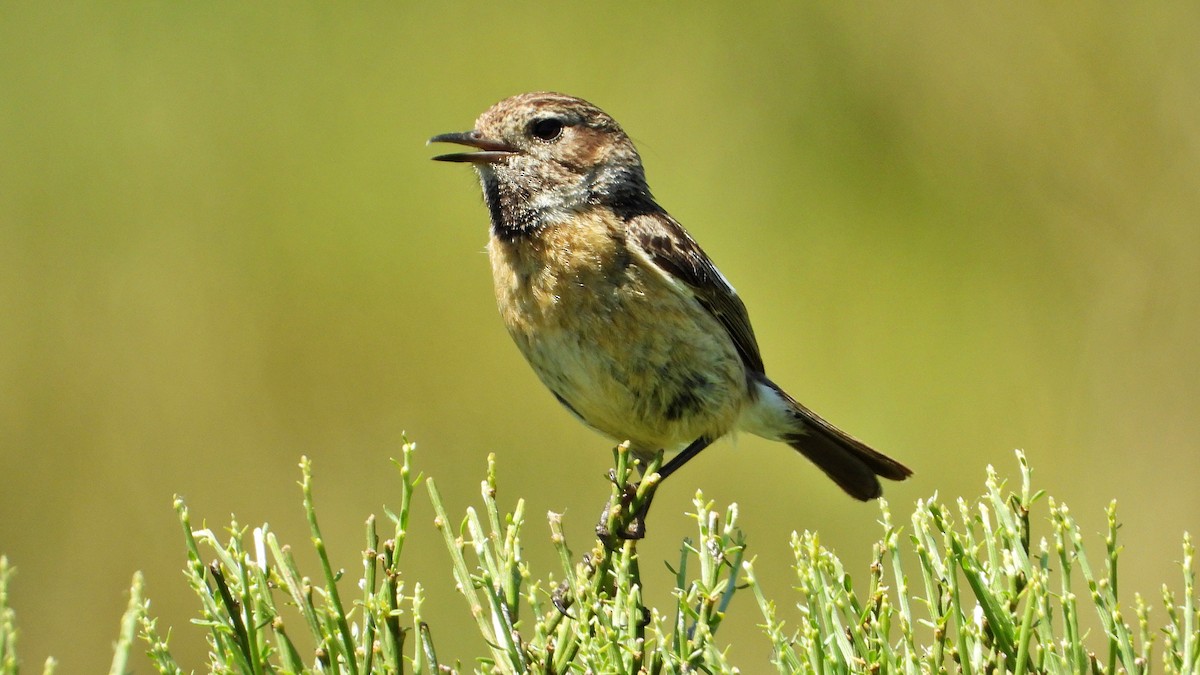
<point x="848" y="461"/>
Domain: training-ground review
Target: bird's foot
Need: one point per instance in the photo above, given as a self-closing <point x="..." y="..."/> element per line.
<point x="617" y="521"/>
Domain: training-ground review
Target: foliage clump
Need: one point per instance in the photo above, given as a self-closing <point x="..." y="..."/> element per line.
<point x="987" y="596"/>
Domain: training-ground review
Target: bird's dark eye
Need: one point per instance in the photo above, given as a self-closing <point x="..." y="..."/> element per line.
<point x="546" y="129"/>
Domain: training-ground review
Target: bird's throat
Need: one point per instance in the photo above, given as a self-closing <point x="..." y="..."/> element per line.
<point x="512" y="215"/>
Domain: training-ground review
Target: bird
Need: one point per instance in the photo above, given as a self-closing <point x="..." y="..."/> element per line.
<point x="617" y="309"/>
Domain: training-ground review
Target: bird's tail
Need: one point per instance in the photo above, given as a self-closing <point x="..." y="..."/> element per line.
<point x="853" y="465"/>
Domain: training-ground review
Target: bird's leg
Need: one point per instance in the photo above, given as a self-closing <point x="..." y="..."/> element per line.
<point x="643" y="494"/>
<point x="682" y="458"/>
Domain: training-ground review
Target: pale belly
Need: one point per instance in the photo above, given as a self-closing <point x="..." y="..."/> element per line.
<point x="659" y="392"/>
<point x="630" y="355"/>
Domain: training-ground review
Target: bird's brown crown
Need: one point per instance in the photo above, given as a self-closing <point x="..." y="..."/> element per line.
<point x="558" y="130"/>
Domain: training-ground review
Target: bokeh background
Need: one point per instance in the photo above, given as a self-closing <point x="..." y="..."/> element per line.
<point x="960" y="230"/>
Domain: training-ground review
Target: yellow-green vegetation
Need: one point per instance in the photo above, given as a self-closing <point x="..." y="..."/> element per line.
<point x="994" y="593"/>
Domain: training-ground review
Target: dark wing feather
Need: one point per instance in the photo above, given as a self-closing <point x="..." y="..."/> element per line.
<point x="670" y="247"/>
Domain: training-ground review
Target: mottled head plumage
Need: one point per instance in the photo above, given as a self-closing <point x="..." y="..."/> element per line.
<point x="544" y="156"/>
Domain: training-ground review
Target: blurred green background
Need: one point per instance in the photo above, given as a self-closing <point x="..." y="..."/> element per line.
<point x="959" y="230"/>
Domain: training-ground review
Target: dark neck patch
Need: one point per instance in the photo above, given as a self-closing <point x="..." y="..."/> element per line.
<point x="624" y="190"/>
<point x="512" y="219"/>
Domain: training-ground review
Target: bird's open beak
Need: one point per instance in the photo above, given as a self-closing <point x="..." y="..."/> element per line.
<point x="490" y="151"/>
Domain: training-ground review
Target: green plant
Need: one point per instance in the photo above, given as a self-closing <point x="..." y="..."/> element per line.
<point x="993" y="598"/>
<point x="987" y="596"/>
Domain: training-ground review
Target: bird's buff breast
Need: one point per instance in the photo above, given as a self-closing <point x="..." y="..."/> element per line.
<point x="635" y="357"/>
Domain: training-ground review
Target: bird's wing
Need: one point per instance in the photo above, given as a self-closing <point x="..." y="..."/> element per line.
<point x="669" y="248"/>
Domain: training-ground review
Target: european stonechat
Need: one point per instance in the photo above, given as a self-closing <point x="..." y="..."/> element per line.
<point x="617" y="309"/>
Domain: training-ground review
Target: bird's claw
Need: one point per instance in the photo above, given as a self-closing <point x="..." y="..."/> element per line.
<point x="634" y="530"/>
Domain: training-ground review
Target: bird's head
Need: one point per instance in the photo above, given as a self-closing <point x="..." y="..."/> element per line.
<point x="543" y="156"/>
